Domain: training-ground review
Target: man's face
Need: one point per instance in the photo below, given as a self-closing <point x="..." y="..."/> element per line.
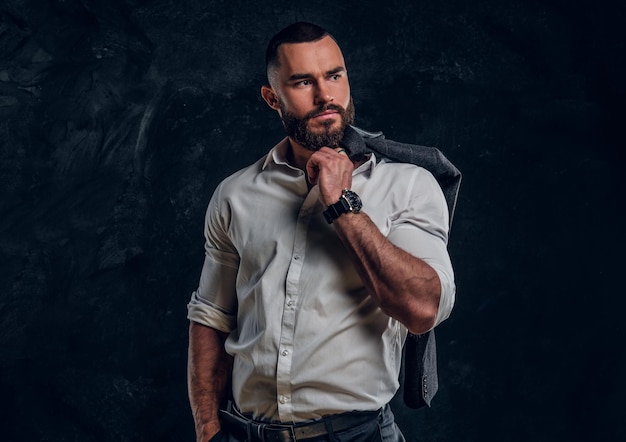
<point x="313" y="93"/>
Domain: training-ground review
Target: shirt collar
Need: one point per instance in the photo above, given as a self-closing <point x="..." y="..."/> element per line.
<point x="278" y="155"/>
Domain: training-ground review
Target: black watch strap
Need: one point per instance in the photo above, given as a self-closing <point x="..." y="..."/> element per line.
<point x="334" y="211"/>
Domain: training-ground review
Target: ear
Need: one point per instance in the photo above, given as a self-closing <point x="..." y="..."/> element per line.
<point x="270" y="97"/>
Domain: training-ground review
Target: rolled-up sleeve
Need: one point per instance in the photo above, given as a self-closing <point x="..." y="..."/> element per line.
<point x="214" y="303"/>
<point x="421" y="229"/>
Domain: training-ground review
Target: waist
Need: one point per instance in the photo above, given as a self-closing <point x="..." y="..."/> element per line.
<point x="245" y="428"/>
<point x="305" y="405"/>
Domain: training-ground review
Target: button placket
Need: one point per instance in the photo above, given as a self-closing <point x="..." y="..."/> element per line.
<point x="285" y="358"/>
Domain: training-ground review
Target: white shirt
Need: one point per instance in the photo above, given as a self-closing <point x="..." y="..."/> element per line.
<point x="306" y="337"/>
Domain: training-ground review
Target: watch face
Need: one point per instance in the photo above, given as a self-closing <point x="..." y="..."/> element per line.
<point x="354" y="201"/>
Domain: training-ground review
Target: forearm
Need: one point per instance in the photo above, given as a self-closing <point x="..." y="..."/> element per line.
<point x="405" y="287"/>
<point x="208" y="374"/>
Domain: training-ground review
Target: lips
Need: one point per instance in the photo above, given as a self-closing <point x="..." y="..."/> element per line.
<point x="326" y="114"/>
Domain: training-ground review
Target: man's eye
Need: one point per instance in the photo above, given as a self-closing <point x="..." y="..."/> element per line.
<point x="335" y="77"/>
<point x="303" y="83"/>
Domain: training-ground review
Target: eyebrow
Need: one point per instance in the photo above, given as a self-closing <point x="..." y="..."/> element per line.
<point x="299" y="76"/>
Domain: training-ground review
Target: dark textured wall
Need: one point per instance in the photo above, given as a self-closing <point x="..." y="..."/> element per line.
<point x="118" y="118"/>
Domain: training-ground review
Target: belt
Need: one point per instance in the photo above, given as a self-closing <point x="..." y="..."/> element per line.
<point x="251" y="430"/>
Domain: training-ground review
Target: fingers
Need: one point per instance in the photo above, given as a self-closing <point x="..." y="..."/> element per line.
<point x="331" y="160"/>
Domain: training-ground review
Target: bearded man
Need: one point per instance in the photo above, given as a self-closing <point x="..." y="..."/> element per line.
<point x="320" y="260"/>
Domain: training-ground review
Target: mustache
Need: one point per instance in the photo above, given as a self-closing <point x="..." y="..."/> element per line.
<point x="324" y="108"/>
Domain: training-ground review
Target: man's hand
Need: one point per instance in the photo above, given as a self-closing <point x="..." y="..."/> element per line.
<point x="332" y="170"/>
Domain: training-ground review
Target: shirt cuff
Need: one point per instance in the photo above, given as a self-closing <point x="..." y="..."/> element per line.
<point x="447" y="297"/>
<point x="202" y="312"/>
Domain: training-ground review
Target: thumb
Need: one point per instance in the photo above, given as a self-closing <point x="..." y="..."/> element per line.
<point x="312" y="171"/>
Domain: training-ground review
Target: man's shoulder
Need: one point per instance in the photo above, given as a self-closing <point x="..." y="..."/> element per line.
<point x="394" y="167"/>
<point x="412" y="179"/>
<point x="244" y="175"/>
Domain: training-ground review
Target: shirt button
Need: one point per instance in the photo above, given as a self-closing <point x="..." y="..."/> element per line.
<point x="283" y="399"/>
<point x="297" y="257"/>
<point x="290" y="303"/>
<point x="284" y="352"/>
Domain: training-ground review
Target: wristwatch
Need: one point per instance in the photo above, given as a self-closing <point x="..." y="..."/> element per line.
<point x="348" y="202"/>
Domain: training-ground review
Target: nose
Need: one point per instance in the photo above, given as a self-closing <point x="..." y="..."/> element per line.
<point x="323" y="94"/>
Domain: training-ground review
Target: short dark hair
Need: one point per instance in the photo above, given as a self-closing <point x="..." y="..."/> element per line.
<point x="300" y="32"/>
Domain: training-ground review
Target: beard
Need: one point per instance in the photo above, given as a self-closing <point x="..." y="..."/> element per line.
<point x="298" y="128"/>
